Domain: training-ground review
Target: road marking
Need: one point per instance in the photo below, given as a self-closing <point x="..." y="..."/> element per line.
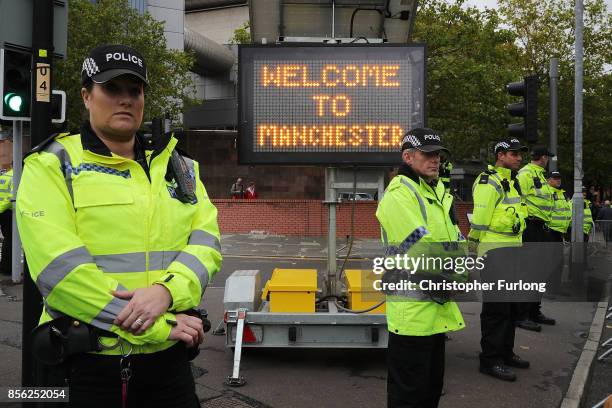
<point x="306" y="258"/>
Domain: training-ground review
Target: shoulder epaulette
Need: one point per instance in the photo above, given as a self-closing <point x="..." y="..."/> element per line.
<point x="484" y="178"/>
<point x="183" y="153"/>
<point x="42" y="145"/>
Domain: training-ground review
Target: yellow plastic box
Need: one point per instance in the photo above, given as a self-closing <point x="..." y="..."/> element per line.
<point x="361" y="292"/>
<point x="291" y="290"/>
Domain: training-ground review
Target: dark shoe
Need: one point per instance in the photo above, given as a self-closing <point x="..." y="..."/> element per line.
<point x="542" y="319"/>
<point x="528" y="325"/>
<point x="516" y="362"/>
<point x="499" y="371"/>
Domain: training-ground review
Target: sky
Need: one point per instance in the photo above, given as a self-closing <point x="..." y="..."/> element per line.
<point x="493" y="3"/>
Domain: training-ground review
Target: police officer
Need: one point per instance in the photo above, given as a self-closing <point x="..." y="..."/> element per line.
<point x="6" y="202"/>
<point x="497" y="223"/>
<point x="588" y="217"/>
<point x="445" y="175"/>
<point x="121" y="236"/>
<point x="416" y="219"/>
<point x="539" y="200"/>
<point x="561" y="216"/>
<point x="560" y="220"/>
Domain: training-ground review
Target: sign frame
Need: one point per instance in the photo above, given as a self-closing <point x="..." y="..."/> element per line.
<point x="246" y="153"/>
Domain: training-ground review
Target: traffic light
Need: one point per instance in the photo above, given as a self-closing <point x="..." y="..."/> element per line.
<point x="527" y="109"/>
<point x="15" y="84"/>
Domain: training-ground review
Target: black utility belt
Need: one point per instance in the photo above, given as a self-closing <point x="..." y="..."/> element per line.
<point x="56" y="340"/>
<point x="535" y="220"/>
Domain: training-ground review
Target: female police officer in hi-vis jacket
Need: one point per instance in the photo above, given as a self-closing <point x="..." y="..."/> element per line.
<point x="120" y="241"/>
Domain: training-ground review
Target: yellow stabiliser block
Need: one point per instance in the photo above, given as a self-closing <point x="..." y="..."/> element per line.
<point x="362" y="294"/>
<point x="291" y="290"/>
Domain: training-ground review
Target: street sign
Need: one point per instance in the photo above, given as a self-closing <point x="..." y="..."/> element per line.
<point x="16" y="25"/>
<point x="328" y="104"/>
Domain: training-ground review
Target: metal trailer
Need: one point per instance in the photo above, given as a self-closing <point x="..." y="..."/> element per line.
<point x="250" y="323"/>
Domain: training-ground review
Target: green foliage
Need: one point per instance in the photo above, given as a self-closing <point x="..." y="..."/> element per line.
<point x="242" y="35"/>
<point x="115" y="22"/>
<point x="470" y="60"/>
<point x="473" y="54"/>
<point x="545" y="29"/>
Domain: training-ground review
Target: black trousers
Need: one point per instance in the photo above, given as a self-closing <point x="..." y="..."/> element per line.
<point x="158" y="380"/>
<point x="536" y="232"/>
<point x="497" y="321"/>
<point x="6" y="257"/>
<point x="415" y="367"/>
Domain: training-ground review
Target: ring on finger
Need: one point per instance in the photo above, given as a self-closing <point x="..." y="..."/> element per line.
<point x="138" y="322"/>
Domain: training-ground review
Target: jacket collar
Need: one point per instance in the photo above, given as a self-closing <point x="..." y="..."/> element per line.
<point x="406" y="170"/>
<point x="537" y="167"/>
<point x="503" y="172"/>
<point x="90" y="141"/>
<point x="427" y="188"/>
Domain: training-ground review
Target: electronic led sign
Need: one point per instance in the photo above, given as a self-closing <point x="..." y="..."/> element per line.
<point x="318" y="104"/>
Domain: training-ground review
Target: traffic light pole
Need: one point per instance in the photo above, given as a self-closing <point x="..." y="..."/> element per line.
<point x="578" y="249"/>
<point x="40" y="129"/>
<point x="554" y="78"/>
<point x="16" y="249"/>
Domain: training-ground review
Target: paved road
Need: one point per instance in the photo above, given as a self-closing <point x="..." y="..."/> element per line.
<point x="340" y="378"/>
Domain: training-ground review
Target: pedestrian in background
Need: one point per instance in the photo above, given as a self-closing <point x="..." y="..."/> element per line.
<point x="237" y="189"/>
<point x="116" y="244"/>
<point x="250" y="193"/>
<point x="6" y="202"/>
<point x="416" y="219"/>
<point x="604" y="219"/>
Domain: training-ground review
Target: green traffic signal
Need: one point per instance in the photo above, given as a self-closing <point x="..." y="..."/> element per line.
<point x="15" y="84"/>
<point x="13" y="101"/>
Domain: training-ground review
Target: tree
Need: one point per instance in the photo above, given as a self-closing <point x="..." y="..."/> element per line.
<point x="242" y="35"/>
<point x="115" y="22"/>
<point x="469" y="61"/>
<point x="545" y="29"/>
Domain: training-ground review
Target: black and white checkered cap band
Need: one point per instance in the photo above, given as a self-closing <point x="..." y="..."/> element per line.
<point x="90" y="67"/>
<point x="412" y="140"/>
<point x="501" y="145"/>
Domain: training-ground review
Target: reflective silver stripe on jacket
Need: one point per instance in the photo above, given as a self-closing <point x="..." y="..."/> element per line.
<point x="104" y="319"/>
<point x="560" y="218"/>
<point x="62" y="155"/>
<point x="418" y="196"/>
<point x="161" y="260"/>
<point x="201" y="237"/>
<point x="480" y="227"/>
<point x="60" y="267"/>
<point x="119" y="263"/>
<point x="193" y="263"/>
<point x="541" y="207"/>
<point x="504" y="194"/>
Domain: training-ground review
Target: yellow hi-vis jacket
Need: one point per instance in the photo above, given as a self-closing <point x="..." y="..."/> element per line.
<point x="536" y="192"/>
<point x="587" y="220"/>
<point x="92" y="223"/>
<point x="588" y="217"/>
<point x="561" y="217"/>
<point x="6" y="191"/>
<point x="499" y="214"/>
<point x="414" y="217"/>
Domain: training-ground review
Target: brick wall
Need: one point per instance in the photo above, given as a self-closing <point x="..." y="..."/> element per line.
<point x="217" y="155"/>
<point x="305" y="217"/>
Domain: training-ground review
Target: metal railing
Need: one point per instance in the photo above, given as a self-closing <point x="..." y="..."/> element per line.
<point x="602" y="232"/>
